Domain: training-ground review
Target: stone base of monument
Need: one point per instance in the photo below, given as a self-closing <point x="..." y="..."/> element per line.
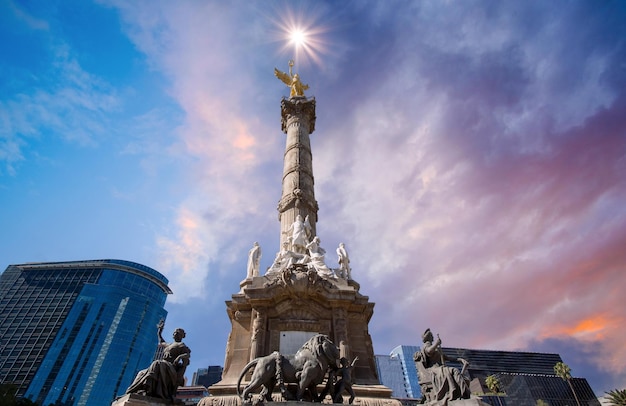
<point x="366" y="395"/>
<point x="468" y="402"/>
<point x="461" y="402"/>
<point x="134" y="399"/>
<point x="236" y="401"/>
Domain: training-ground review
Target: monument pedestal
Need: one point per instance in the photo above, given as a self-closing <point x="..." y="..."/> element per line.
<point x="269" y="310"/>
<point x="134" y="399"/>
<point x="366" y="395"/>
<point x="461" y="402"/>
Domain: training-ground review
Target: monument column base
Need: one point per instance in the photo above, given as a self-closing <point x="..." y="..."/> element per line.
<point x="133" y="399"/>
<point x="359" y="401"/>
<point x="366" y="395"/>
<point x="474" y="401"/>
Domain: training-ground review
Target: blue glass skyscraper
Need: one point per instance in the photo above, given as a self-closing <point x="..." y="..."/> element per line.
<point x="390" y="374"/>
<point x="405" y="354"/>
<point x="76" y="333"/>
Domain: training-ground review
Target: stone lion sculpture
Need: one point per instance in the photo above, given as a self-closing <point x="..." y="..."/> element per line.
<point x="307" y="368"/>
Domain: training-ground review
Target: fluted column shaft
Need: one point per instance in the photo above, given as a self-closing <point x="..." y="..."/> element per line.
<point x="298" y="195"/>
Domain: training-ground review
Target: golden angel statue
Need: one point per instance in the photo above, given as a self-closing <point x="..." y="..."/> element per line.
<point x="293" y="81"/>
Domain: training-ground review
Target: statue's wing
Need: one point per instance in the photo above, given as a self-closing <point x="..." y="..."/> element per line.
<point x="285" y="78"/>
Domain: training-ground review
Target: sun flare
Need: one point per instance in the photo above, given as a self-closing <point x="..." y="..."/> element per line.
<point x="301" y="35"/>
<point x="298" y="38"/>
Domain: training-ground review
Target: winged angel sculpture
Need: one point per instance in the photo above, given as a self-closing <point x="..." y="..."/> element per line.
<point x="293" y="81"/>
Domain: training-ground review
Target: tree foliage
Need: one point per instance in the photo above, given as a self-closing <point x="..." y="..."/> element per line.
<point x="8" y="398"/>
<point x="563" y="371"/>
<point x="493" y="384"/>
<point x="616" y="397"/>
<point x="541" y="402"/>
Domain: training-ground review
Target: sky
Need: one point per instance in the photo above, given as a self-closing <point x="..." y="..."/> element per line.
<point x="471" y="155"/>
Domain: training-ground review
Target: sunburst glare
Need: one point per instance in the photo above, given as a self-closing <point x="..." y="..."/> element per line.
<point x="298" y="38"/>
<point x="301" y="35"/>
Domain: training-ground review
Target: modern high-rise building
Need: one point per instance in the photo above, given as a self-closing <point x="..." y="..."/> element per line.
<point x="390" y="374"/>
<point x="405" y="354"/>
<point x="524" y="377"/>
<point x="397" y="371"/>
<point x="207" y="376"/>
<point x="76" y="333"/>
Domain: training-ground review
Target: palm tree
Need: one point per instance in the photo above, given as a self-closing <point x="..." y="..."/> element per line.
<point x="616" y="397"/>
<point x="565" y="372"/>
<point x="493" y="384"/>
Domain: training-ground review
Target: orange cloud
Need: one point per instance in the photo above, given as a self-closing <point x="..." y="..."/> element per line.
<point x="594" y="326"/>
<point x="590" y="328"/>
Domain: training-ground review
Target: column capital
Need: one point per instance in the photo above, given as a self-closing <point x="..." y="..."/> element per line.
<point x="299" y="107"/>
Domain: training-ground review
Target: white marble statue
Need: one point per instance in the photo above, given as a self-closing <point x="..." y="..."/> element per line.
<point x="344" y="262"/>
<point x="316" y="253"/>
<point x="307" y="228"/>
<point x="298" y="235"/>
<point x="285" y="258"/>
<point x="254" y="259"/>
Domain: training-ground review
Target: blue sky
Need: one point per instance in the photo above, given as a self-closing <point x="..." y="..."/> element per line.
<point x="471" y="155"/>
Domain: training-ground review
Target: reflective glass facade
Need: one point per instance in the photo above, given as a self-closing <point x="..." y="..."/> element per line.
<point x="397" y="372"/>
<point x="207" y="376"/>
<point x="525" y="377"/>
<point x="405" y="354"/>
<point x="390" y="374"/>
<point x="76" y="333"/>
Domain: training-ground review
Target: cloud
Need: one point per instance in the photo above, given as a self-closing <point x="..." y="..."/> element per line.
<point x="480" y="182"/>
<point x="26" y="18"/>
<point x="67" y="103"/>
<point x="222" y="140"/>
<point x="471" y="159"/>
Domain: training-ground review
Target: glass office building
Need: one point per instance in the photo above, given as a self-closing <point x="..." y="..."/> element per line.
<point x="390" y="374"/>
<point x="397" y="371"/>
<point x="76" y="333"/>
<point x="207" y="376"/>
<point x="525" y="377"/>
<point x="405" y="354"/>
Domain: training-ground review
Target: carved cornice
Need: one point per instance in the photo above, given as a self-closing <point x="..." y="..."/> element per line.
<point x="300" y="107"/>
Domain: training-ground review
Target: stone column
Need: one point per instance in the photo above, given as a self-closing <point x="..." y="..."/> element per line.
<point x="257" y="338"/>
<point x="298" y="195"/>
<point x="340" y="324"/>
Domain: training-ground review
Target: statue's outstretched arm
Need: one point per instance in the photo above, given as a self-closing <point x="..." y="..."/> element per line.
<point x="160" y="331"/>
